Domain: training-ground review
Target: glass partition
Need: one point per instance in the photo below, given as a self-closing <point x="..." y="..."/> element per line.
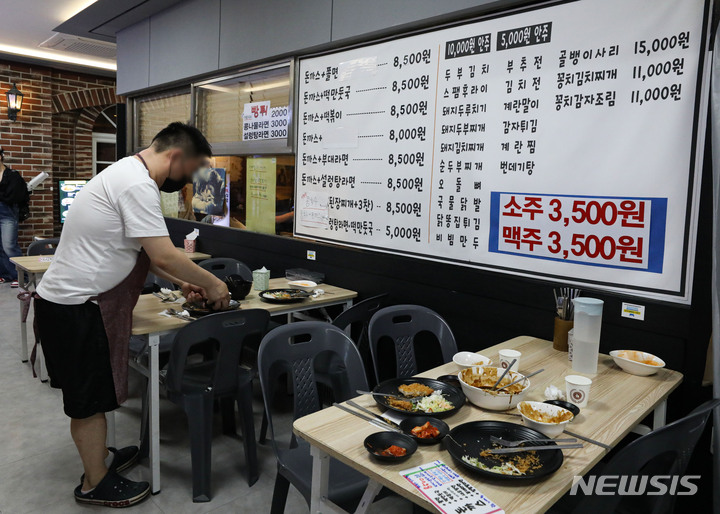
<point x="154" y="112"/>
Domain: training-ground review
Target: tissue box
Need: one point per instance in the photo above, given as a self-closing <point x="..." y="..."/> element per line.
<point x="304" y="274"/>
<point x="190" y="245"/>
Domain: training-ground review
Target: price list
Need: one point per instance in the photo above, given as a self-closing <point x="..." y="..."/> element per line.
<point x="555" y="142"/>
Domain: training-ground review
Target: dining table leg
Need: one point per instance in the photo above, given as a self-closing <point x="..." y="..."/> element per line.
<point x="154" y="401"/>
<point x="659" y="415"/>
<point x="23" y="325"/>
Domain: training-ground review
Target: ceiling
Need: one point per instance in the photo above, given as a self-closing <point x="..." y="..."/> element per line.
<point x="25" y="24"/>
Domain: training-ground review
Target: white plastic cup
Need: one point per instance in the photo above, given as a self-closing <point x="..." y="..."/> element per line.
<point x="507" y="356"/>
<point x="586" y="336"/>
<point x="577" y="389"/>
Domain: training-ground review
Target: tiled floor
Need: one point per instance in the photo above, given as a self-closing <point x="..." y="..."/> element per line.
<point x="39" y="466"/>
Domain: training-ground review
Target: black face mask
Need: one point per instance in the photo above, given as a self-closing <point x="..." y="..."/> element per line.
<point x="172" y="186"/>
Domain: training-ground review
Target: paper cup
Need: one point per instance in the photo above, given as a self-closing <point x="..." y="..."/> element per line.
<point x="507" y="356"/>
<point x="577" y="389"/>
<point x="190" y="245"/>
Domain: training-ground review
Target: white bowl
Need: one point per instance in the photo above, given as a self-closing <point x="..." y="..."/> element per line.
<point x="469" y="359"/>
<point x="493" y="401"/>
<point x="634" y="367"/>
<point x="549" y="429"/>
<point x="303" y="285"/>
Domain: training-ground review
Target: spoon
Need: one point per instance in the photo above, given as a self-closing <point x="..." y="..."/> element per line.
<point x="521" y="379"/>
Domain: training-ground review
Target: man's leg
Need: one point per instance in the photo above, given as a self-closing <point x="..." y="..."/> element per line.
<point x="89" y="436"/>
<point x="9" y="237"/>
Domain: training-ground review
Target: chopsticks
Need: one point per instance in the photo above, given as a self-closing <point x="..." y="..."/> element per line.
<point x="521" y="379"/>
<point x="504" y="373"/>
<point x="563" y="302"/>
<point x="371" y="413"/>
<point x="519" y="449"/>
<point x="386" y="425"/>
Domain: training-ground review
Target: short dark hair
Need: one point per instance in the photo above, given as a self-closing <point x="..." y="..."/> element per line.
<point x="184" y="136"/>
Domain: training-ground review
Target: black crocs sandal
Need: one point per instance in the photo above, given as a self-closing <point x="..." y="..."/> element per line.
<point x="114" y="491"/>
<point x="122" y="459"/>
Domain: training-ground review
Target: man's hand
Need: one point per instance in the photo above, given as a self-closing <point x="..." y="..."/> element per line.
<point x="218" y="296"/>
<point x="193" y="293"/>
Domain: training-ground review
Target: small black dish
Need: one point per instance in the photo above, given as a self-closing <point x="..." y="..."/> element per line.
<point x="453" y="380"/>
<point x="408" y="424"/>
<point x="238" y="286"/>
<point x="379" y="441"/>
<point x="565" y="405"/>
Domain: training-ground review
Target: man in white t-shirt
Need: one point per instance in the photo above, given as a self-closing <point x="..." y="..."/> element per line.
<point x="114" y="233"/>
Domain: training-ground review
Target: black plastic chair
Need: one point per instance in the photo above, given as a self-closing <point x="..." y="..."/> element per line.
<point x="222" y="267"/>
<point x="402" y="324"/>
<point x="194" y="387"/>
<point x="662" y="452"/>
<point x="299" y="350"/>
<point x="43" y="246"/>
<point x="357" y="319"/>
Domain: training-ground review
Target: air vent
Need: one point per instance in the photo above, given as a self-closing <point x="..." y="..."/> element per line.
<point x="80" y="45"/>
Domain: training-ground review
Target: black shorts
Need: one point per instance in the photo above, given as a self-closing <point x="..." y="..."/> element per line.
<point x="77" y="355"/>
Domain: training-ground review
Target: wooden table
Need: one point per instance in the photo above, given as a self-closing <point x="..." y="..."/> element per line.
<point x="147" y="321"/>
<point x="618" y="402"/>
<point x="34" y="266"/>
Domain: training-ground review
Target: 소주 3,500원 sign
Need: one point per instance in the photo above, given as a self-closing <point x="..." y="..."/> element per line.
<point x="559" y="142"/>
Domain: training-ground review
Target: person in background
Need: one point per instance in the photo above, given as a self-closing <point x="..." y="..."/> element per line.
<point x="114" y="234"/>
<point x="13" y="193"/>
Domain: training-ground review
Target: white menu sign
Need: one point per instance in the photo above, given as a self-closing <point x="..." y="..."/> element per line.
<point x="557" y="142"/>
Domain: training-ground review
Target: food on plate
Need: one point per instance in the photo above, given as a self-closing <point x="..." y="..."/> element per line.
<point x="485" y="379"/>
<point x="399" y="404"/>
<point x="481" y="363"/>
<point x="506" y="464"/>
<point x="415" y="390"/>
<point x="434" y="403"/>
<point x="426" y="431"/>
<point x="392" y="451"/>
<point x="544" y="417"/>
<point x="636" y="356"/>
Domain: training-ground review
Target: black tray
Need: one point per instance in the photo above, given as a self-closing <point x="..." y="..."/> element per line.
<point x="472" y="438"/>
<point x="299" y="295"/>
<point x="196" y="311"/>
<point x="451" y="393"/>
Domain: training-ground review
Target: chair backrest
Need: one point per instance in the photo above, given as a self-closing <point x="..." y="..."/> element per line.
<point x="298" y="349"/>
<point x="155" y="283"/>
<point x="675" y="441"/>
<point x="43" y="246"/>
<point x="222" y="267"/>
<point x="228" y="331"/>
<point x="402" y="323"/>
<point x="357" y="318"/>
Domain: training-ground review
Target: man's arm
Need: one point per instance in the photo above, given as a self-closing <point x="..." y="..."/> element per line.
<point x="176" y="267"/>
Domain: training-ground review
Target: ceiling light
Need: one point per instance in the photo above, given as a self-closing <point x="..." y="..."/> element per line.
<point x="50" y="56"/>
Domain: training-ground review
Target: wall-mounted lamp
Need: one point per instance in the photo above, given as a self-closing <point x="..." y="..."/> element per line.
<point x="14" y="102"/>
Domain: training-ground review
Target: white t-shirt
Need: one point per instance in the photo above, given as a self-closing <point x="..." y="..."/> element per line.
<point x="99" y="244"/>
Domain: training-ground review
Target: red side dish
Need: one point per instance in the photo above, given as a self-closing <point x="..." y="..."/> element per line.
<point x="427" y="431"/>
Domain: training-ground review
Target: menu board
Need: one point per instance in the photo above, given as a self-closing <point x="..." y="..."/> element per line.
<point x="561" y="142"/>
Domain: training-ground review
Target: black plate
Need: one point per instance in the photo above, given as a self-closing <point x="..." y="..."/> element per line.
<point x="565" y="405"/>
<point x="298" y="295"/>
<point x="195" y="311"/>
<point x="452" y="394"/>
<point x="408" y="424"/>
<point x="472" y="438"/>
<point x="453" y="380"/>
<point x="381" y="440"/>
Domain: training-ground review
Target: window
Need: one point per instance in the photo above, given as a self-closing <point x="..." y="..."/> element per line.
<point x="103" y="151"/>
<point x="247" y="113"/>
<point x="153" y="113"/>
<point x="248" y="193"/>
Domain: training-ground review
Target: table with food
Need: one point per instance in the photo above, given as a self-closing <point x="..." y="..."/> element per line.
<point x="516" y="437"/>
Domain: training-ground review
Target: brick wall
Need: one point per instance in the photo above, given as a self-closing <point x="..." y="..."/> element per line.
<point x="53" y="133"/>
